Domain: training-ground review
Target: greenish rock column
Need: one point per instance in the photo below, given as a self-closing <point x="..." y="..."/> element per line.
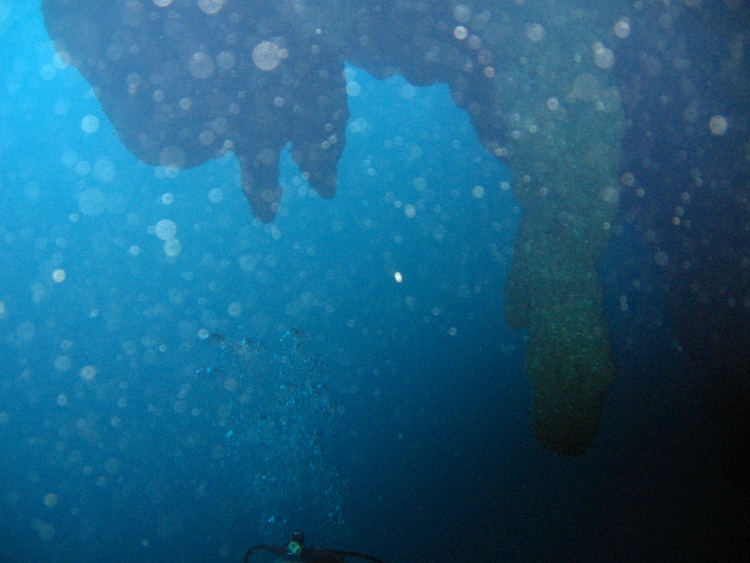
<point x="563" y="148"/>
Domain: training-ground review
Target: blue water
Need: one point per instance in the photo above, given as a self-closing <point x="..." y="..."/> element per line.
<point x="116" y="442"/>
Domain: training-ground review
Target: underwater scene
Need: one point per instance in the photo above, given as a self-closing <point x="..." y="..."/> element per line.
<point x="359" y="280"/>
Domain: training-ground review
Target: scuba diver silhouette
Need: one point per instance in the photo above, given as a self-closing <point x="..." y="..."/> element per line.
<point x="296" y="550"/>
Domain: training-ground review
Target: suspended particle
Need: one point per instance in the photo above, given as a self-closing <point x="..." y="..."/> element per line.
<point x="266" y="55"/>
